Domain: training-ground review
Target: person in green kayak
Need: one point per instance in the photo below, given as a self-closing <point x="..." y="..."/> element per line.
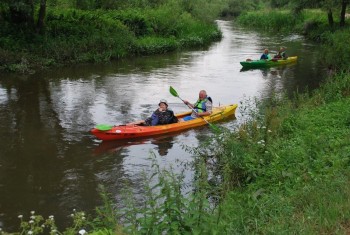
<point x="161" y="116"/>
<point x="265" y="55"/>
<point x="202" y="107"/>
<point x="281" y="54"/>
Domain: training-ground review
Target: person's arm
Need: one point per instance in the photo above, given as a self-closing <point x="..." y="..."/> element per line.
<point x="188" y="104"/>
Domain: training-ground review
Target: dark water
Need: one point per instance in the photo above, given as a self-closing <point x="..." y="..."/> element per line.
<point x="50" y="163"/>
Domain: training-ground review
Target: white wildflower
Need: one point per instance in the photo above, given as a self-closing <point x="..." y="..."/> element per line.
<point x="82" y="232"/>
<point x="269" y="131"/>
<point x="20" y="216"/>
<point x="32" y="212"/>
<point x="30" y="232"/>
<point x="72" y="215"/>
<point x="31" y="221"/>
<point x="83" y="218"/>
<point x="32" y="217"/>
<point x="51" y="217"/>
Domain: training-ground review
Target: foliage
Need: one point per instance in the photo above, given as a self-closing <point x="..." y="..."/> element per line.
<point x="236" y="7"/>
<point x="274" y="162"/>
<point x="336" y="50"/>
<point x="74" y="36"/>
<point x="277" y="21"/>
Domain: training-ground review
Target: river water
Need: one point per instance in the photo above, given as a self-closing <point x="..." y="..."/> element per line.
<point x="50" y="163"/>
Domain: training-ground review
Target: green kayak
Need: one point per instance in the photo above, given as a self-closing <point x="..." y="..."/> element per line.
<point x="267" y="63"/>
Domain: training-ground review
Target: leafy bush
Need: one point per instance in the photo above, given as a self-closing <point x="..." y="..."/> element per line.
<point x="270" y="20"/>
<point x="337" y="50"/>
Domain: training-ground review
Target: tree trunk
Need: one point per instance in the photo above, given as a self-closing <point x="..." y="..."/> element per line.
<point x="330" y="18"/>
<point x="41" y="17"/>
<point x="342" y="13"/>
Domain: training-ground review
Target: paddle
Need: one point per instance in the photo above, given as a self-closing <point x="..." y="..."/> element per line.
<point x="174" y="93"/>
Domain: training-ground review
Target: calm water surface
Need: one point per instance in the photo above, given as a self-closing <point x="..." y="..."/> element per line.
<point x="50" y="163"/>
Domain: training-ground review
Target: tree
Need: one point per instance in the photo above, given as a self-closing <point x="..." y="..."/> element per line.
<point x="342" y="12"/>
<point x="41" y="16"/>
<point x="330" y="17"/>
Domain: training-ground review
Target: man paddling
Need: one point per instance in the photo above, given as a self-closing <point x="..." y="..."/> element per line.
<point x="281" y="54"/>
<point x="202" y="107"/>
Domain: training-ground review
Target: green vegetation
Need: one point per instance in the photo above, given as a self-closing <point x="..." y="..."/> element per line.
<point x="87" y="32"/>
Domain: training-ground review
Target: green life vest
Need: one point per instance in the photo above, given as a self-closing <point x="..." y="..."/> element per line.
<point x="200" y="105"/>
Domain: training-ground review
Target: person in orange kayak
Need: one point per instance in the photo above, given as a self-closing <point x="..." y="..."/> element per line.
<point x="202" y="107"/>
<point x="161" y="116"/>
<point x="281" y="54"/>
<point x="265" y="55"/>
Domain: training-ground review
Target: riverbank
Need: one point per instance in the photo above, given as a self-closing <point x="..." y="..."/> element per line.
<point x="287" y="172"/>
<point x="75" y="36"/>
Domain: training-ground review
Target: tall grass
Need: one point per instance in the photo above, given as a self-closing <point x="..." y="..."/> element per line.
<point x="271" y="20"/>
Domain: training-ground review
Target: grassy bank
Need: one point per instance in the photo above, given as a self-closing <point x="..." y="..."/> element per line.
<point x="292" y="166"/>
<point x="79" y="36"/>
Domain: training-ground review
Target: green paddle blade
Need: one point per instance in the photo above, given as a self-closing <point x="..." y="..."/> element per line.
<point x="103" y="127"/>
<point x="173" y="91"/>
<point x="215" y="128"/>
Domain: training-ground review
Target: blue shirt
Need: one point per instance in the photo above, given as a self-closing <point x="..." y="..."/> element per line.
<point x="265" y="57"/>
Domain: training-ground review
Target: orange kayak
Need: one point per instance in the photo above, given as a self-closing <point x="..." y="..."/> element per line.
<point x="136" y="131"/>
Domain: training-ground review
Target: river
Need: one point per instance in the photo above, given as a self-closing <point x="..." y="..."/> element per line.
<point x="50" y="163"/>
